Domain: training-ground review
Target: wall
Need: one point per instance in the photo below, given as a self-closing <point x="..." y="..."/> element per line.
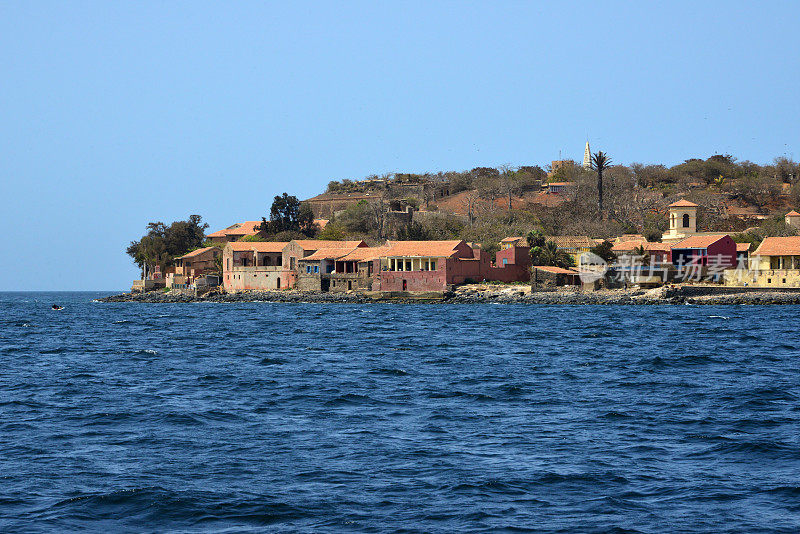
<point x="256" y="278"/>
<point x="517" y="267"/>
<point x="726" y="247"/>
<point x="762" y="278"/>
<point x="415" y="280"/>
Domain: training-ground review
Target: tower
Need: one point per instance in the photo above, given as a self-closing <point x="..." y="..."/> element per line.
<point x="793" y="219"/>
<point x="682" y="221"/>
<point x="587" y="157"/>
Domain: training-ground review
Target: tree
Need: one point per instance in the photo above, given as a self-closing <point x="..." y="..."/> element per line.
<point x="552" y="255"/>
<point x="642" y="254"/>
<point x="603" y="250"/>
<point x="600" y="162"/>
<point x="287" y="214"/>
<point x="162" y="244"/>
<point x="413" y="231"/>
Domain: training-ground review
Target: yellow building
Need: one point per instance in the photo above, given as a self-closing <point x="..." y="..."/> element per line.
<point x="508" y="242"/>
<point x="775" y="263"/>
<point x="574" y="245"/>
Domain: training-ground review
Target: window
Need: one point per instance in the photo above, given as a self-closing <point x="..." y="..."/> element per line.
<point x="308" y="269"/>
<point x="229" y="264"/>
<point x="686" y="220"/>
<point x="505" y="261"/>
<point x="408" y="265"/>
<point x="316" y="269"/>
<point x="433" y="265"/>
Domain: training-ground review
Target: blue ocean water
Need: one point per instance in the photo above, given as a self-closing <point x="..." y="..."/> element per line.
<point x="396" y="418"/>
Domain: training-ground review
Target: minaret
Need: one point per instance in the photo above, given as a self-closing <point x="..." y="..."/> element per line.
<point x="587" y="157"/>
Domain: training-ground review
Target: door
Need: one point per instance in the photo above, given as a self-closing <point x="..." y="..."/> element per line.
<point x="405" y="285"/>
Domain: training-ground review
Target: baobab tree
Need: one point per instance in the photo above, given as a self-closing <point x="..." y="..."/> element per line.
<point x="600" y="162"/>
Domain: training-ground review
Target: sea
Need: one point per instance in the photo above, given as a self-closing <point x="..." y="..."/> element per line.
<point x="267" y="417"/>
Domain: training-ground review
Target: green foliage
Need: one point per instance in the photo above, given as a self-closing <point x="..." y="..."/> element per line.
<point x="604" y="251"/>
<point x="772" y="227"/>
<point x="255" y="238"/>
<point x="287" y="214"/>
<point x="544" y="252"/>
<point x="162" y="244"/>
<point x="642" y="253"/>
<point x="357" y="218"/>
<point x="332" y="232"/>
<point x="413" y="231"/>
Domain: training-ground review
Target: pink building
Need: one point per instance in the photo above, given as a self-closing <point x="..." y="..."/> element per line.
<point x="430" y="265"/>
<point x="254" y="265"/>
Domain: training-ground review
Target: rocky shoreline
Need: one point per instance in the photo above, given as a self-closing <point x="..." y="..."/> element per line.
<point x="483" y="294"/>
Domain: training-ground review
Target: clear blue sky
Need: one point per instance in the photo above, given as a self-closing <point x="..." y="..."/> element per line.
<point x="113" y="114"/>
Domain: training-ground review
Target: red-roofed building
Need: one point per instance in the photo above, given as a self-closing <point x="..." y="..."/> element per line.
<point x="658" y="252"/>
<point x="704" y="250"/>
<point x="421" y="266"/>
<point x="234" y="232"/>
<point x="512" y="262"/>
<point x="775" y="263"/>
<point x="793" y="219"/>
<point x="192" y="266"/>
<point x="547" y="275"/>
<point x="299" y="249"/>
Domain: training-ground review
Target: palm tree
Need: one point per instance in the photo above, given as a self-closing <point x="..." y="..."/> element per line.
<point x="643" y="254"/>
<point x="600" y="162"/>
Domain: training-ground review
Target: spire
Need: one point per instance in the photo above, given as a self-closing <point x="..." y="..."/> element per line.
<point x="587" y="157"/>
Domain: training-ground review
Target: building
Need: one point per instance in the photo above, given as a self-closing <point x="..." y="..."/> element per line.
<point x="793" y="219"/>
<point x="508" y="242"/>
<point x="314" y="270"/>
<point x="574" y="245"/>
<point x="234" y="232"/>
<point x="709" y="252"/>
<point x="658" y="252"/>
<point x="743" y="253"/>
<point x="512" y="262"/>
<point x="559" y="187"/>
<point x="297" y="249"/>
<point x="682" y="221"/>
<point x="423" y="266"/>
<point x="192" y="266"/>
<point x="358" y="270"/>
<point x="254" y="266"/>
<point x="775" y="263"/>
<point x="546" y="275"/>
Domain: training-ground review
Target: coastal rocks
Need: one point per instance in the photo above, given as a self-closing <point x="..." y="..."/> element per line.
<point x="485" y="294"/>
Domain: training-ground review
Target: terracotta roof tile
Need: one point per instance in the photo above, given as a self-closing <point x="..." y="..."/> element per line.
<point x="779" y="246"/>
<point x="683" y="203"/>
<point x="743" y="247"/>
<point x="555" y="270"/>
<point x="437" y="249"/>
<point x="195" y="253"/>
<point x="572" y="241"/>
<point x="333" y="253"/>
<point x="793" y="214"/>
<point x="511" y="239"/>
<point x="365" y="254"/>
<point x="698" y="241"/>
<point x="628" y="246"/>
<point x="258" y="246"/>
<point x="238" y="229"/>
<point x="316" y="244"/>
